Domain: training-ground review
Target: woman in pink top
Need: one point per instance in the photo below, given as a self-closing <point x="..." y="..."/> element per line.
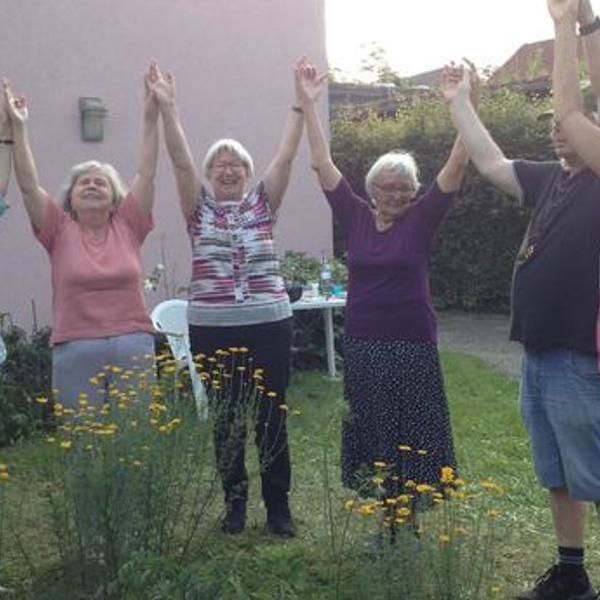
<point x="93" y="242"/>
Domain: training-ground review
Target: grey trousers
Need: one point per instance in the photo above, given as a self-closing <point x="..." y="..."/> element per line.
<point x="88" y="366"/>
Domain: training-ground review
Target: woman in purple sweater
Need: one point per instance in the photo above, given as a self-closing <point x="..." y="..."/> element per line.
<point x="398" y="413"/>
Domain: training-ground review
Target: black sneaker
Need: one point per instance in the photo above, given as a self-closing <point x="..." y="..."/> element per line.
<point x="235" y="518"/>
<point x="555" y="585"/>
<point x="279" y="521"/>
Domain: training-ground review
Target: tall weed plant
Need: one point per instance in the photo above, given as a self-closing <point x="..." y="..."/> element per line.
<point x="424" y="543"/>
<point x="135" y="477"/>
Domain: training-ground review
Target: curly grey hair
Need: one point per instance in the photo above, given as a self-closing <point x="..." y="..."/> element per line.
<point x="119" y="189"/>
<point x="233" y="147"/>
<point x="398" y="162"/>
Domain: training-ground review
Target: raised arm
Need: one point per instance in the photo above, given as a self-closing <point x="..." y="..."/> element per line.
<point x="451" y="176"/>
<point x="277" y="175"/>
<point x="6" y="142"/>
<point x="142" y="187"/>
<point x="186" y="176"/>
<point x="580" y="132"/>
<point x="34" y="196"/>
<point x="309" y="86"/>
<point x="589" y="22"/>
<point x="483" y="150"/>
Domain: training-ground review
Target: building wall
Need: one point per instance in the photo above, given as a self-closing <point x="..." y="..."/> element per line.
<point x="233" y="66"/>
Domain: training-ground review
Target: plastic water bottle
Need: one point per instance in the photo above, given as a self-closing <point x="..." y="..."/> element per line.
<point x="325" y="278"/>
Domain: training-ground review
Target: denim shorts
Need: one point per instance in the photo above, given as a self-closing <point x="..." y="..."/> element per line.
<point x="560" y="404"/>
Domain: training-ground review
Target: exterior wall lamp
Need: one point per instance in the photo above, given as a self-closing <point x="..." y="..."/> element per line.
<point x="92" y="112"/>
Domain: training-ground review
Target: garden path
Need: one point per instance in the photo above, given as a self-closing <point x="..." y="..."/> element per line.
<point x="482" y="335"/>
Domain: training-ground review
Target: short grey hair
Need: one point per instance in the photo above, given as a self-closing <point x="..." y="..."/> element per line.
<point x="119" y="189"/>
<point x="233" y="147"/>
<point x="398" y="162"/>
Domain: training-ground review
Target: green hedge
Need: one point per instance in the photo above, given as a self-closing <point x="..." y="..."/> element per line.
<point x="472" y="263"/>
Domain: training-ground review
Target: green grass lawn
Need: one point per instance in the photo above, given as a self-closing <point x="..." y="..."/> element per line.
<point x="490" y="441"/>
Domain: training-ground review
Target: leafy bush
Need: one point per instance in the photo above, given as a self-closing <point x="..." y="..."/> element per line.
<point x="472" y="264"/>
<point x="24" y="376"/>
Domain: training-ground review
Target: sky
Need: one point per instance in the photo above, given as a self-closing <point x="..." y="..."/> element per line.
<point x="422" y="35"/>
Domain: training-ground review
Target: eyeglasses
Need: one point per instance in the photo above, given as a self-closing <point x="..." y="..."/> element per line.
<point x="223" y="166"/>
<point x="394" y="192"/>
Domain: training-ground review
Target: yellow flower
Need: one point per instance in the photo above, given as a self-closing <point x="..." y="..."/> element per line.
<point x="377" y="480"/>
<point x="495" y="589"/>
<point x="444" y="539"/>
<point x="494" y="514"/>
<point x="50" y="440"/>
<point x="66" y="444"/>
<point x="366" y="510"/>
<point x="117" y="370"/>
<point x="425" y="488"/>
<point x="163" y="429"/>
<point x="4" y="476"/>
<point x="403" y="512"/>
<point x="403" y="448"/>
<point x="404" y="499"/>
<point x="410" y="484"/>
<point x="94" y="381"/>
<point x="296" y="413"/>
<point x="137" y="463"/>
<point x="391" y="501"/>
<point x="349" y="504"/>
<point x="492" y="487"/>
<point x="284" y="407"/>
<point x="42" y="400"/>
<point x="422" y="452"/>
<point x="3" y="468"/>
<point x="448" y="475"/>
<point x="379" y="464"/>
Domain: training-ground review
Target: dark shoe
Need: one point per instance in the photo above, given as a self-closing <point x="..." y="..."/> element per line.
<point x="235" y="518"/>
<point x="555" y="585"/>
<point x="279" y="521"/>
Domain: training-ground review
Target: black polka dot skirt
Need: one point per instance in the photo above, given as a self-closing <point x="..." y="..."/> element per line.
<point x="398" y="413"/>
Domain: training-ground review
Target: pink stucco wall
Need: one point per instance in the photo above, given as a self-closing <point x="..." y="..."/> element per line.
<point x="232" y="61"/>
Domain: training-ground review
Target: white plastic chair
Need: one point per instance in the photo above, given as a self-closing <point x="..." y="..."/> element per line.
<point x="170" y="318"/>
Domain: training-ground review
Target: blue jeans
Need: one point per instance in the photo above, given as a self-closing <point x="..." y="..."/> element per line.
<point x="560" y="405"/>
